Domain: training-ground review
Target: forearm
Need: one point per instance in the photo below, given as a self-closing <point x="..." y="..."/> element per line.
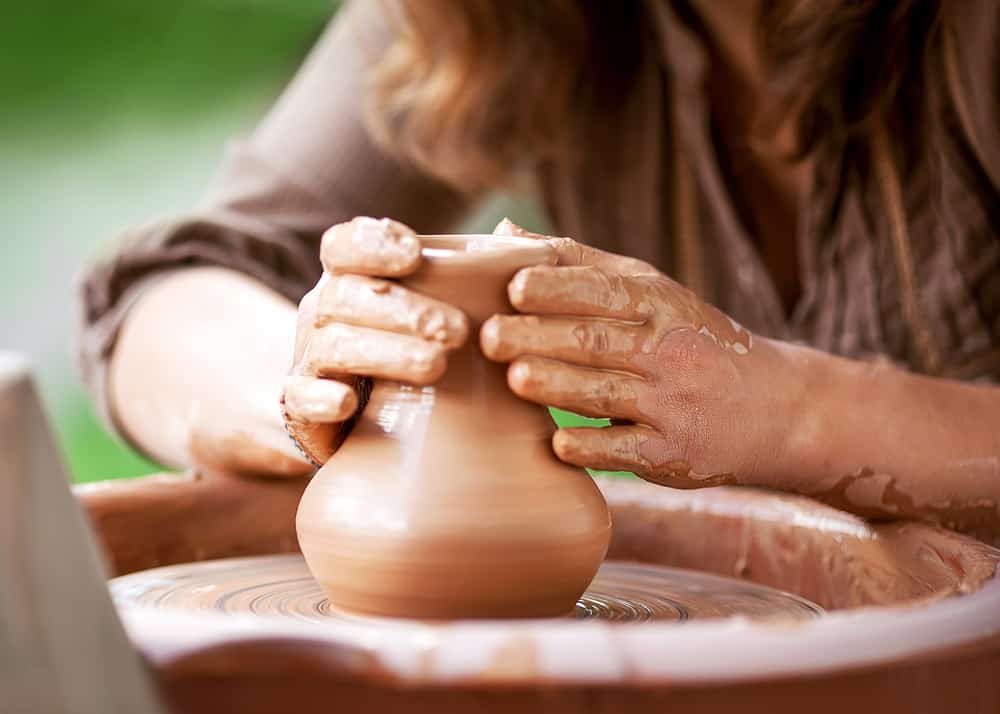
<point x="197" y="372"/>
<point x="883" y="442"/>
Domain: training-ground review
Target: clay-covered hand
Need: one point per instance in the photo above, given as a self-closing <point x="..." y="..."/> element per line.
<point x="608" y="336"/>
<point x="357" y="323"/>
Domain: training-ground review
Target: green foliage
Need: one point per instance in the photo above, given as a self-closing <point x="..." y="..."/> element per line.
<point x="569" y="419"/>
<point x="74" y="74"/>
<point x="91" y="452"/>
<point x="70" y="66"/>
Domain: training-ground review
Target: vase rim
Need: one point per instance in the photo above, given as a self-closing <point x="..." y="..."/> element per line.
<point x="462" y="247"/>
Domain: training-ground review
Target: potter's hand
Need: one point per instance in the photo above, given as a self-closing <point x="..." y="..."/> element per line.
<point x="608" y="336"/>
<point x="356" y="323"/>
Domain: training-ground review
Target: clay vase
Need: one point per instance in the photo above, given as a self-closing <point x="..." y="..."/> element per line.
<point x="446" y="501"/>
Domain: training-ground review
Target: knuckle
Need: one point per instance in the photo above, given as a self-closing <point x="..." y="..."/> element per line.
<point x="601" y="401"/>
<point x="682" y="352"/>
<point x="609" y="394"/>
<point x="627" y="450"/>
<point x="517" y="289"/>
<point x="329" y="347"/>
<point x="631" y="447"/>
<point x="439" y="323"/>
<point x="592" y="337"/>
<point x="428" y="321"/>
<point x="427" y="365"/>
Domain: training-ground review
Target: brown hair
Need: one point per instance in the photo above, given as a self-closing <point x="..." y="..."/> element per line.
<point x="842" y="69"/>
<point x="475" y="88"/>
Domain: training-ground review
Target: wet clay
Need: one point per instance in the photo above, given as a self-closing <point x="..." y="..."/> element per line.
<point x="874" y="495"/>
<point x="446" y="500"/>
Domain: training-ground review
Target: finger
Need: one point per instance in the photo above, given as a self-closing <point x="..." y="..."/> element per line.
<point x="507" y="227"/>
<point x="344" y="349"/>
<point x="636" y="448"/>
<point x="237" y="453"/>
<point x="588" y="392"/>
<point x="613" y="448"/>
<point x="370" y="246"/>
<point x="579" y="290"/>
<point x="383" y="305"/>
<point x="588" y="342"/>
<point x="316" y="440"/>
<point x="308" y="399"/>
<point x="570" y="252"/>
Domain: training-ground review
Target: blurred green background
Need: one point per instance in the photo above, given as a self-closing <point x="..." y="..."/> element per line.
<point x="113" y="112"/>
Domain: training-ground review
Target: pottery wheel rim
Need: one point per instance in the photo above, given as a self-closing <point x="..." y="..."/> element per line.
<point x="595" y="652"/>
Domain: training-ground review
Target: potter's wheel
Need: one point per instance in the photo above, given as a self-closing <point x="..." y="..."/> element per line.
<point x="281" y="586"/>
<point x="909" y="624"/>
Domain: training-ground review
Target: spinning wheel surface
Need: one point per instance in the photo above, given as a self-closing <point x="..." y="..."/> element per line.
<point x="281" y="586"/>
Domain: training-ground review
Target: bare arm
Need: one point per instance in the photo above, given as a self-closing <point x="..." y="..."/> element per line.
<point x="207" y="356"/>
<point x="197" y="358"/>
<point x="198" y="369"/>
<point x="884" y="442"/>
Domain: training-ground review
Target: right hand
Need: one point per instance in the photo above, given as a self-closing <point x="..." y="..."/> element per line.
<point x="358" y="323"/>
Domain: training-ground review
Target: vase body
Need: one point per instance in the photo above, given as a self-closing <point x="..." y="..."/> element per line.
<point x="446" y="501"/>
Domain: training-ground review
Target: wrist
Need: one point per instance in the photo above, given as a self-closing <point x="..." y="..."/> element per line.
<point x="827" y="428"/>
<point x="799" y="388"/>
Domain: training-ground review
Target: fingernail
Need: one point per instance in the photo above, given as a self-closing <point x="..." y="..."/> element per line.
<point x="518" y="286"/>
<point x="489" y="337"/>
<point x="563" y="444"/>
<point x="518" y="377"/>
<point x="427" y="364"/>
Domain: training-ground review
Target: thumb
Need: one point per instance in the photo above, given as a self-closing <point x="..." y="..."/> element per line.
<point x="570" y="252"/>
<point x="507" y="227"/>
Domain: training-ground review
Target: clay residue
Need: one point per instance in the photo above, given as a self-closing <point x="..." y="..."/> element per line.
<point x="879" y="495"/>
<point x="381" y="304"/>
<point x="370" y="246"/>
<point x="796" y="544"/>
<point x="678" y="307"/>
<point x="679" y="474"/>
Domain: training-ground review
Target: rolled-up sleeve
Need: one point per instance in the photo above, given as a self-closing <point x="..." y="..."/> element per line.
<point x="309" y="165"/>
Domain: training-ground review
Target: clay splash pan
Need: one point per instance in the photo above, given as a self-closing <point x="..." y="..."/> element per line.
<point x="906" y="598"/>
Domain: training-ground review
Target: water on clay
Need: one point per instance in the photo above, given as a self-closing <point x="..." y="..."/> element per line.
<point x="281" y="586"/>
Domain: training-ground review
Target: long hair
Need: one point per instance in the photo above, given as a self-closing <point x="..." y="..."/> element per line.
<point x="842" y="69"/>
<point x="475" y="90"/>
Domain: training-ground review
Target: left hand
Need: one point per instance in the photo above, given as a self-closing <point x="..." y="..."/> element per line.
<point x="689" y="391"/>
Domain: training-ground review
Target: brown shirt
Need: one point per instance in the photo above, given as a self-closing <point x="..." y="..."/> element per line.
<point x="908" y="269"/>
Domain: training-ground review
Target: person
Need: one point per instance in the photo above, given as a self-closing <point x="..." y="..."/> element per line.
<point x="819" y="179"/>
